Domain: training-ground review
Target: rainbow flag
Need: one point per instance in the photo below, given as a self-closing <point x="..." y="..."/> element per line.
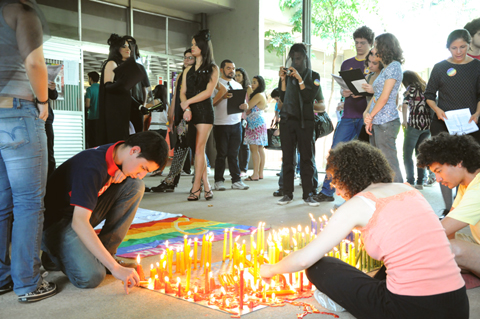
<point x="150" y="238"/>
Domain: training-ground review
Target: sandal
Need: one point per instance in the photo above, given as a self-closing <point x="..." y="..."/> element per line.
<point x="193" y="197"/>
<point x="208" y="194"/>
<point x="250" y="179"/>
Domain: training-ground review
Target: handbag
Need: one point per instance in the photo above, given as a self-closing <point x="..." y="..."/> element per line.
<point x="273" y="135"/>
<point x="323" y="125"/>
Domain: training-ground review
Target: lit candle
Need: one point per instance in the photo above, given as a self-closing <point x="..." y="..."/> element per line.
<point x="179" y="287"/>
<point x="153" y="271"/>
<point x="225" y="235"/>
<point x="168" y="287"/>
<point x="157" y="285"/>
<point x="263" y="236"/>
<point x="189" y="272"/>
<point x="185" y="249"/>
<point x="241" y="287"/>
<point x="231" y="243"/>
<point x="202" y="258"/>
<point x="252" y="242"/>
<point x="301" y="281"/>
<point x="206" y="279"/>
<point x="244" y="251"/>
<point x="210" y="252"/>
<point x="259" y="235"/>
<point x="255" y="264"/>
<point x="195" y="245"/>
<point x="140" y="272"/>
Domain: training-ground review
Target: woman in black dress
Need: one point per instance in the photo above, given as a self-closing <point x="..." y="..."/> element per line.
<point x="199" y="81"/>
<point x="114" y="99"/>
<point x="457" y="82"/>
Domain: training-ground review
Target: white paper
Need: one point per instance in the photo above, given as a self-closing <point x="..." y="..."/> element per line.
<point x="358" y="85"/>
<point x="340" y="81"/>
<point x="457" y="122"/>
<point x="145" y="216"/>
<point x="71" y="72"/>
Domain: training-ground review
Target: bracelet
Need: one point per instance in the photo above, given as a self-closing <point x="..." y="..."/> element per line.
<point x="43" y="103"/>
<point x="188" y="109"/>
<point x="301" y="83"/>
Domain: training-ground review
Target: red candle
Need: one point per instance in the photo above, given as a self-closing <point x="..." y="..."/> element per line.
<point x="301" y="280"/>
<point x="212" y="282"/>
<point x="157" y="285"/>
<point x="206" y="279"/>
<point x="140" y="272"/>
<point x="168" y="287"/>
<point x="241" y="287"/>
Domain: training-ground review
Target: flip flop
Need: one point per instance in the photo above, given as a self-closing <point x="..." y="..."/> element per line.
<point x="250" y="179"/>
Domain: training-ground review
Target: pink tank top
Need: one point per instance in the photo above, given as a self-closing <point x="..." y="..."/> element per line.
<point x="407" y="236"/>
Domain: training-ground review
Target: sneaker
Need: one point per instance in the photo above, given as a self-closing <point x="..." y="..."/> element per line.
<point x="163" y="188"/>
<point x="183" y="173"/>
<point x="444" y="213"/>
<point x="6" y="288"/>
<point x="278" y="193"/>
<point x="311" y="202"/>
<point x="209" y="171"/>
<point x="430" y="181"/>
<point x="240" y="185"/>
<point x="285" y="200"/>
<point x="326" y="302"/>
<point x="45" y="290"/>
<point x="218" y="186"/>
<point x="323" y="198"/>
<point x="243" y="174"/>
<point x="418" y="186"/>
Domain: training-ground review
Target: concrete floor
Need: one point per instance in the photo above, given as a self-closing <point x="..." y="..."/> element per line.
<point x="232" y="206"/>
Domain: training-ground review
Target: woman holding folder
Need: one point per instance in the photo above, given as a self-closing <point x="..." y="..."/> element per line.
<point x="382" y="121"/>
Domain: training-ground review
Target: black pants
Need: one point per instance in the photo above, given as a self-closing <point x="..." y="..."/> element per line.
<point x="291" y="135"/>
<point x="244" y="153"/>
<point x="92" y="133"/>
<point x="51" y="158"/>
<point x="227" y="142"/>
<point x="366" y="297"/>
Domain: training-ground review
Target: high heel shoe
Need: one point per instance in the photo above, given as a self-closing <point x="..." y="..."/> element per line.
<point x="193" y="197"/>
<point x="208" y="194"/>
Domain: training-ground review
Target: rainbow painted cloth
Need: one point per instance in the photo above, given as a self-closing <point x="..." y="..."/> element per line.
<point x="149" y="239"/>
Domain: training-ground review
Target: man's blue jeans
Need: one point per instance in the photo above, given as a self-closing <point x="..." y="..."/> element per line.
<point x="23" y="177"/>
<point x="412" y="139"/>
<point x="384" y="137"/>
<point x="227" y="141"/>
<point x="347" y="130"/>
<point x="117" y="206"/>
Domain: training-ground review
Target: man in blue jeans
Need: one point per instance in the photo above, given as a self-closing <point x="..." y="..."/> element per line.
<point x="99" y="184"/>
<point x="352" y="120"/>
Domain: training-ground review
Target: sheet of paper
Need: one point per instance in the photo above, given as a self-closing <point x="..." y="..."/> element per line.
<point x="340" y="81"/>
<point x="457" y="122"/>
<point x="71" y="72"/>
<point x="358" y="85"/>
<point x="53" y="71"/>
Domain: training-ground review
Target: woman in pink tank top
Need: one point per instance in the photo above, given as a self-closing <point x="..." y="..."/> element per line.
<point x="420" y="278"/>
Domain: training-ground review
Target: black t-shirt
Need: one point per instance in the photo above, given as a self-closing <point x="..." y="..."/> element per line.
<point x="79" y="182"/>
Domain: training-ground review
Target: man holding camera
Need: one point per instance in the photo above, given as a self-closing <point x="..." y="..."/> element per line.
<point x="298" y="87"/>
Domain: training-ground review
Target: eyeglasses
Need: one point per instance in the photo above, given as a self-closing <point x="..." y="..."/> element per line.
<point x="188" y="58"/>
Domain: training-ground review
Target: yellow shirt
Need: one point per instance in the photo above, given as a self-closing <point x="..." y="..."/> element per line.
<point x="467" y="206"/>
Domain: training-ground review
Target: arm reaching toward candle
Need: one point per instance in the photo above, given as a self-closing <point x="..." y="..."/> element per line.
<point x="81" y="226"/>
<point x="354" y="212"/>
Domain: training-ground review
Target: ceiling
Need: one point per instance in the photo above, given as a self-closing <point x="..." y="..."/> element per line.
<point x="194" y="6"/>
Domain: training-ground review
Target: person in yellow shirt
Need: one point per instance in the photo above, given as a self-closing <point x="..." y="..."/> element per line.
<point x="455" y="160"/>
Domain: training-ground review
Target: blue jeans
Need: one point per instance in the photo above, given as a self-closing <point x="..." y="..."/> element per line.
<point x="384" y="137"/>
<point x="413" y="138"/>
<point x="117" y="206"/>
<point x="347" y="130"/>
<point x="23" y="177"/>
<point x="227" y="141"/>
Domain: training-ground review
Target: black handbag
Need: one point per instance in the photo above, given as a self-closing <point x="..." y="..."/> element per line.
<point x="273" y="138"/>
<point x="323" y="125"/>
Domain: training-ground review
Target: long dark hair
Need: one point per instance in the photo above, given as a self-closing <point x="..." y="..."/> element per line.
<point x="160" y="92"/>
<point x="246" y="79"/>
<point x="411" y="78"/>
<point x="115" y="42"/>
<point x="203" y="42"/>
<point x="261" y="86"/>
<point x="388" y="49"/>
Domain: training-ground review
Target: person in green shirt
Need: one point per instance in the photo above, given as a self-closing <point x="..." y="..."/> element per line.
<point x="91" y="103"/>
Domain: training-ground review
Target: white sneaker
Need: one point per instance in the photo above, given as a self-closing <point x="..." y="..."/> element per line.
<point x="183" y="173"/>
<point x="240" y="185"/>
<point x="219" y="186"/>
<point x="209" y="171"/>
<point x="326" y="302"/>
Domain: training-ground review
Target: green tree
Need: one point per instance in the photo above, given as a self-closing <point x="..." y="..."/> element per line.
<point x="279" y="42"/>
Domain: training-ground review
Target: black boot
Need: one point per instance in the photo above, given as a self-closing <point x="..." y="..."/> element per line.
<point x="163" y="188"/>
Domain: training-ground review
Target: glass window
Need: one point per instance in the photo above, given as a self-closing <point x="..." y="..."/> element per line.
<point x="149" y="32"/>
<point x="180" y="35"/>
<point x="99" y="21"/>
<point x="62" y="17"/>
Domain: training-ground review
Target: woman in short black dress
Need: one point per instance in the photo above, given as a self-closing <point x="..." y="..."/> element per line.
<point x="200" y="81"/>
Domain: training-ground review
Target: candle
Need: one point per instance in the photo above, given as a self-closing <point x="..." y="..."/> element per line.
<point x="259" y="235"/>
<point x="140" y="272"/>
<point x="231" y="243"/>
<point x="170" y="261"/>
<point x="244" y="251"/>
<point x="195" y="245"/>
<point x="196" y="297"/>
<point x="263" y="236"/>
<point x="252" y="242"/>
<point x="241" y="287"/>
<point x="153" y="271"/>
<point x="203" y="253"/>
<point x="189" y="272"/>
<point x="225" y="235"/>
<point x="301" y="281"/>
<point x="157" y="285"/>
<point x="206" y="278"/>
<point x="168" y="287"/>
<point x="255" y="264"/>
<point x="212" y="285"/>
<point x="210" y="252"/>
<point x="185" y="249"/>
<point x="179" y="287"/>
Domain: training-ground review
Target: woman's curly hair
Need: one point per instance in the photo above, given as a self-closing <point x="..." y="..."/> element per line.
<point x="388" y="49"/>
<point x="355" y="165"/>
<point x="450" y="149"/>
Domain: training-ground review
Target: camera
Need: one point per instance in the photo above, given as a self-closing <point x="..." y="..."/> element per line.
<point x="160" y="107"/>
<point x="287" y="71"/>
